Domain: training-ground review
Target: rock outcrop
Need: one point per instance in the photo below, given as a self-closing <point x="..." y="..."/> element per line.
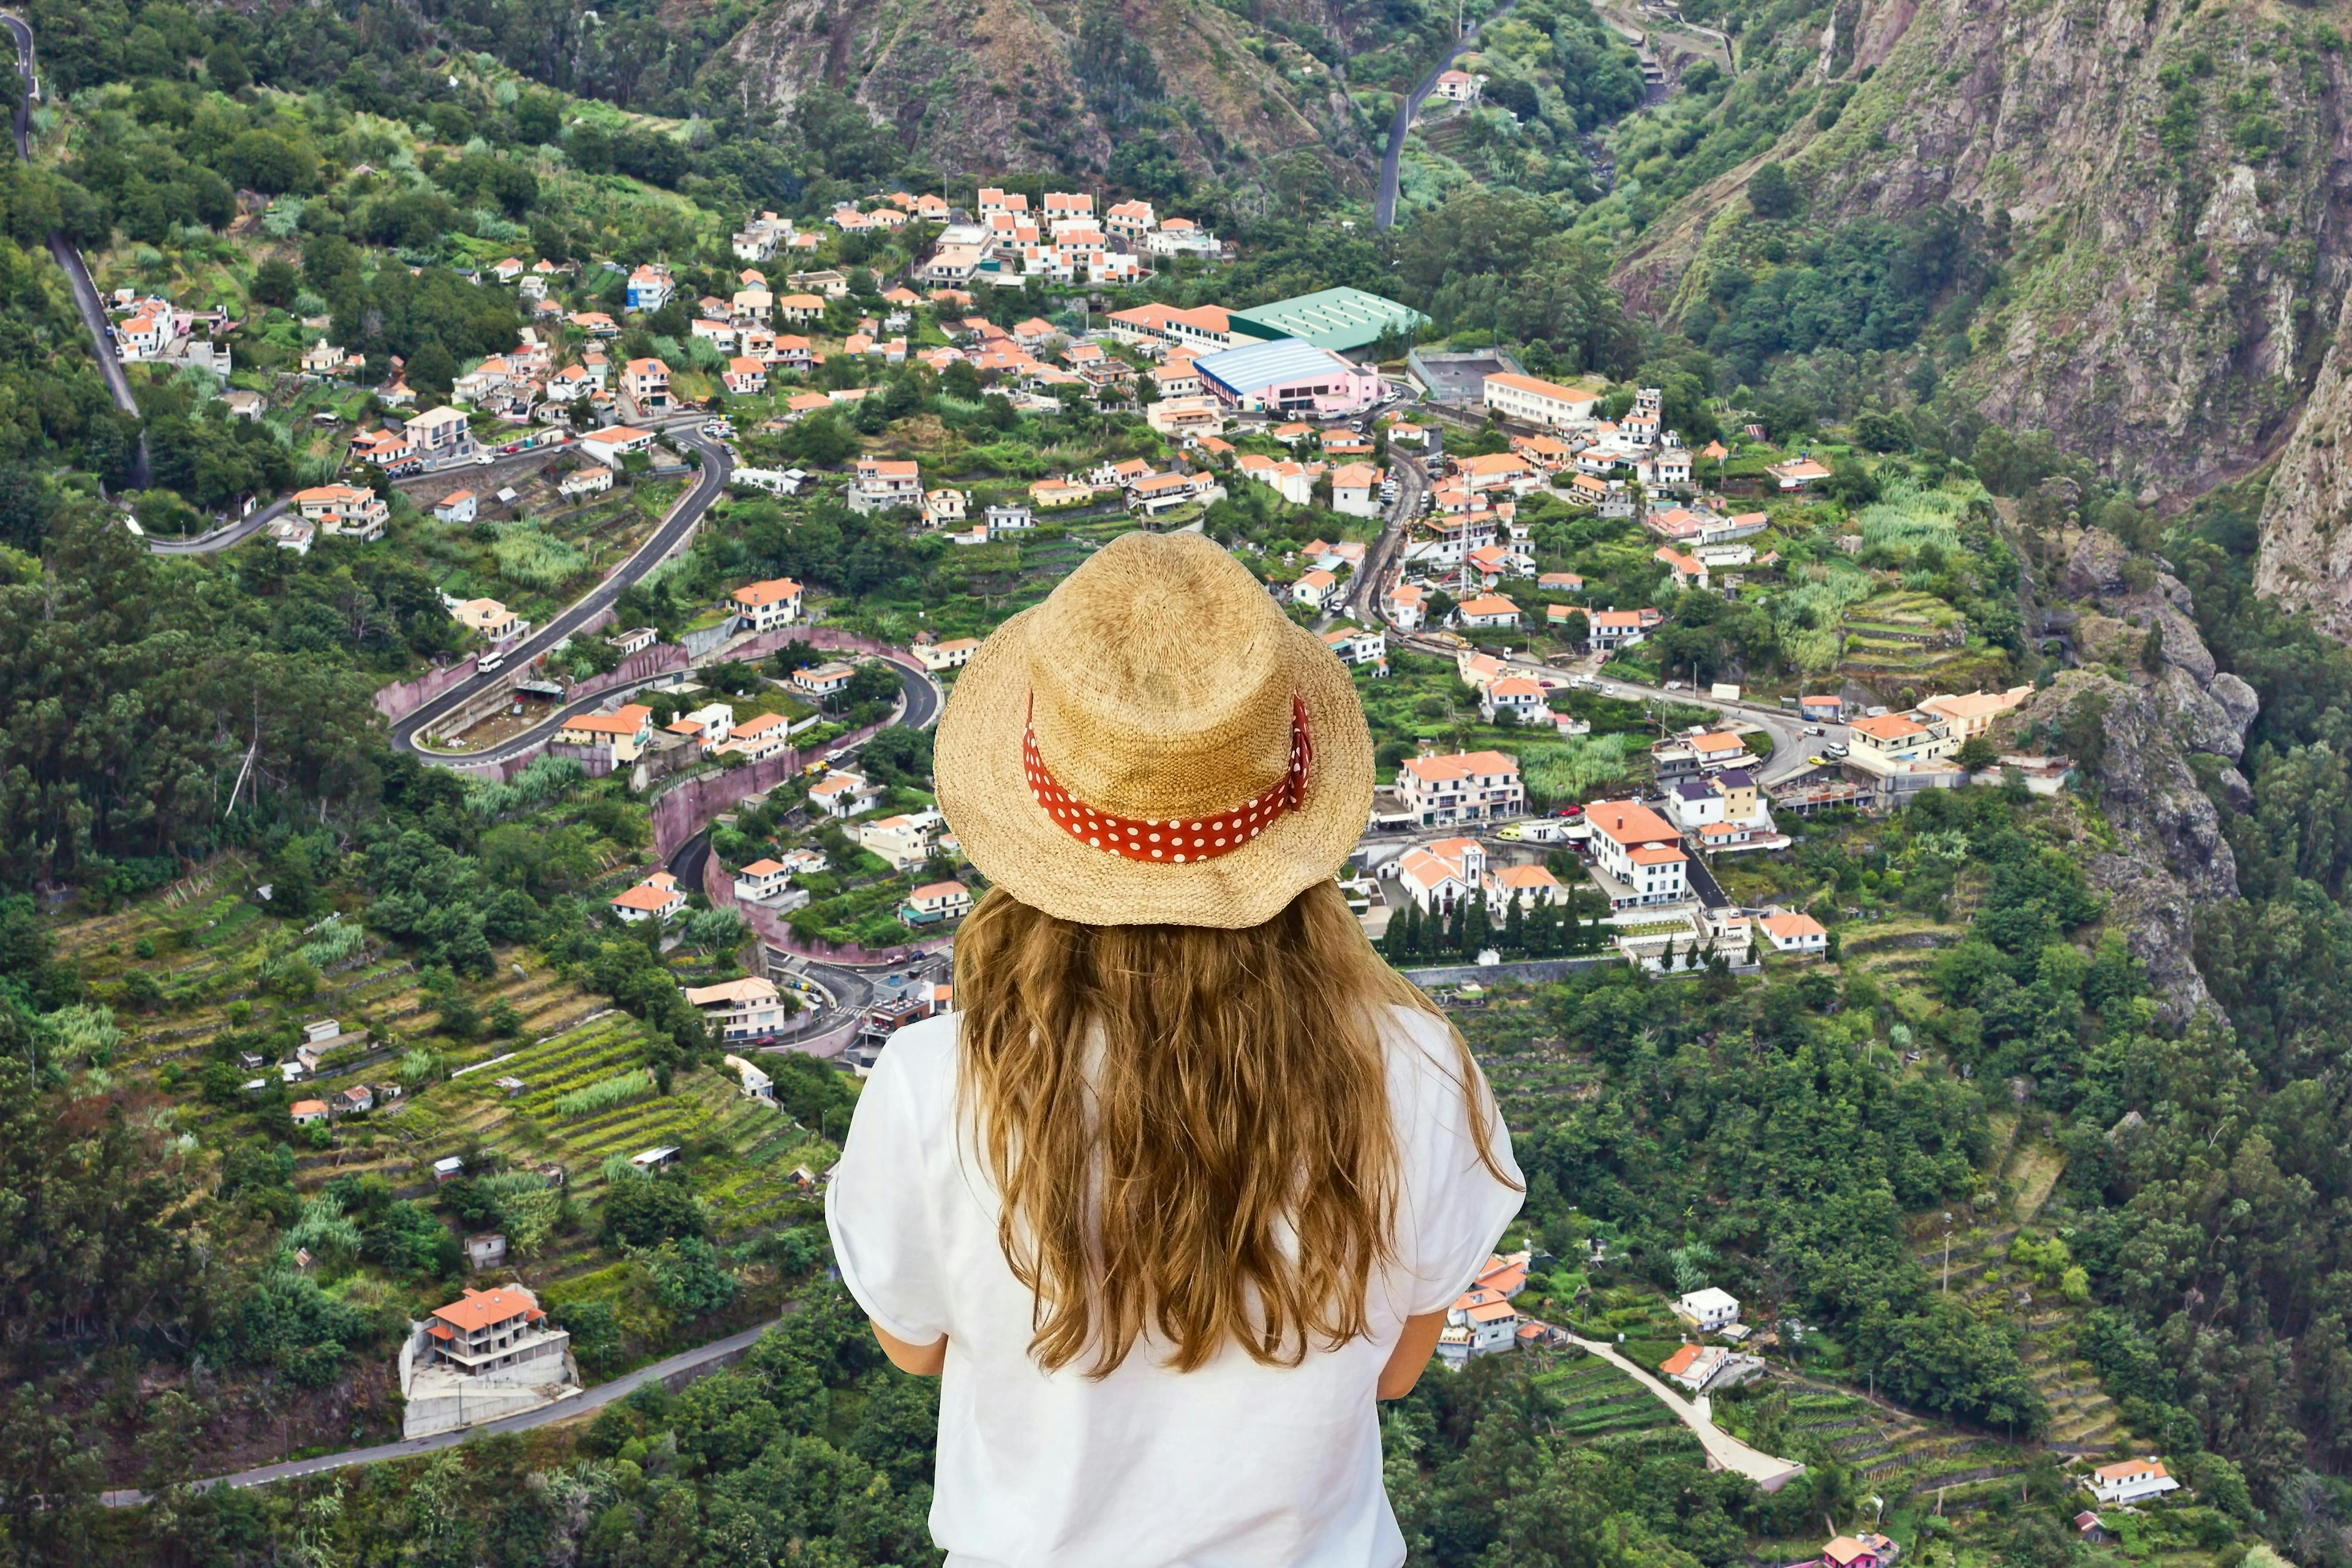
<point x="2174" y="265"/>
<point x="992" y="86"/>
<point x="2305" y="554"/>
<point x="2135" y="736"/>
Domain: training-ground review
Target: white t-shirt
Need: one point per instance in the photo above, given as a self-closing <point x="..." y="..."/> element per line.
<point x="1237" y="1465"/>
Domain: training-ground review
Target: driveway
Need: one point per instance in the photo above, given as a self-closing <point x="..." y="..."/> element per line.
<point x="1724" y="1451"/>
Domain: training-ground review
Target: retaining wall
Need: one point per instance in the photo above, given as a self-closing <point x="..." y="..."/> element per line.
<point x="401" y="698"/>
<point x="772" y="929"/>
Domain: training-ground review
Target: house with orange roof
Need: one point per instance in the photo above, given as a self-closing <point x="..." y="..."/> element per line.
<point x="1791" y="930"/>
<point x="1406" y="605"/>
<point x="1689" y="571"/>
<point x="625" y="733"/>
<point x="1487" y="1323"/>
<point x="1548" y="453"/>
<point x="882" y="483"/>
<point x="1515" y="699"/>
<point x="1695" y="1366"/>
<point x="485" y="1333"/>
<point x="1612" y="629"/>
<point x="1461" y="787"/>
<point x="1973" y="714"/>
<point x="1532" y="886"/>
<point x="1356" y="490"/>
<point x="935" y="903"/>
<point x="1050" y="493"/>
<point x="1798" y="473"/>
<point x="1439" y="876"/>
<point x="766" y="605"/>
<point x="2132" y="1480"/>
<point x="758" y="738"/>
<point x="344" y="509"/>
<point x="306" y="1113"/>
<point x="800" y="308"/>
<point x="745" y="376"/>
<point x="657" y="897"/>
<point x="1866" y="1549"/>
<point x="1892" y="742"/>
<point x="1487" y="611"/>
<point x="1637" y="854"/>
<point x="1457" y="86"/>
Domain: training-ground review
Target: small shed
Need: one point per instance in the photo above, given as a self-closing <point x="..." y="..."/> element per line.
<point x="486" y="1251"/>
<point x="448" y="1170"/>
<point x="660" y="1157"/>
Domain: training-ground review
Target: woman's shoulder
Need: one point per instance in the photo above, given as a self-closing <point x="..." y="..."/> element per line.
<point x="918" y="1068"/>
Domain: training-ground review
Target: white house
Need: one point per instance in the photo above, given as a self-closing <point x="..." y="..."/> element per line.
<point x="745" y="1009"/>
<point x="1516" y="698"/>
<point x="2130" y="1480"/>
<point x="1538" y="402"/>
<point x="657" y="897"/>
<point x="764" y="605"/>
<point x="1790" y="931"/>
<point x="1707" y="1309"/>
<point x="1462" y="786"/>
<point x="1637" y="856"/>
<point x="458" y="506"/>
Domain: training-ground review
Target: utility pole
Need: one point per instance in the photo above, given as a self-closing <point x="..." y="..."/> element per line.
<point x="1947" y="1252"/>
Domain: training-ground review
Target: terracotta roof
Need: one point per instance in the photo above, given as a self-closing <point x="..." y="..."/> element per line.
<point x="478" y="1309"/>
<point x="768" y="591"/>
<point x="1889" y="727"/>
<point x="1544" y="388"/>
<point x="1790" y="926"/>
<point x="1460" y="765"/>
<point x="1627" y="822"/>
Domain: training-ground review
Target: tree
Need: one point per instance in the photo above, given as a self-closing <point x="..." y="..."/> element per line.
<point x="1977" y="753"/>
<point x="1771" y="193"/>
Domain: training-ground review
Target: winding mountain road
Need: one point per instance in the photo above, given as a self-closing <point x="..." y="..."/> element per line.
<point x="709" y="484"/>
<point x="85" y="292"/>
<point x="1392" y="156"/>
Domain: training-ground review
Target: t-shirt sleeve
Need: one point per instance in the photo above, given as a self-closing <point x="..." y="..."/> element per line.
<point x="879" y="1211"/>
<point x="1458" y="1208"/>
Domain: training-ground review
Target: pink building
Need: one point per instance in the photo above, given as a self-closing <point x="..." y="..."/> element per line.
<point x="1288" y="376"/>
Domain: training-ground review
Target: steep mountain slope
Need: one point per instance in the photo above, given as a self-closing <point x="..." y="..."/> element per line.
<point x="2162" y="182"/>
<point x="992" y="86"/>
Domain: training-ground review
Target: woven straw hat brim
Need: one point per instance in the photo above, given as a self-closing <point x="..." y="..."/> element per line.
<point x="983" y="793"/>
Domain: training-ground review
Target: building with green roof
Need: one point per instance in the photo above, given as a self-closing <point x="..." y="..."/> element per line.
<point x="1340" y="319"/>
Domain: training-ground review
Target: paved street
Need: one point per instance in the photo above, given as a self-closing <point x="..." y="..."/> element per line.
<point x="709" y="484"/>
<point x="1392" y="155"/>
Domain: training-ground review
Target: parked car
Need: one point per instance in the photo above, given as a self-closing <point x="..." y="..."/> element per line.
<point x="1835" y="749"/>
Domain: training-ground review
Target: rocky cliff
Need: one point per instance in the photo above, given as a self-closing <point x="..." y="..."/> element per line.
<point x="2168" y="182"/>
<point x="1000" y="86"/>
<point x="2136" y="729"/>
<point x="2305" y="558"/>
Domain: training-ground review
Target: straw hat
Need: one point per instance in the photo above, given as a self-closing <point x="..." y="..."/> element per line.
<point x="1155" y="745"/>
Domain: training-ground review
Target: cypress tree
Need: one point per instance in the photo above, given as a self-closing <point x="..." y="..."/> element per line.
<point x="1515" y="927"/>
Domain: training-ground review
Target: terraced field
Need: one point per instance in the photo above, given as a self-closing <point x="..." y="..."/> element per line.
<point x="1602" y="1402"/>
<point x="1901" y="636"/>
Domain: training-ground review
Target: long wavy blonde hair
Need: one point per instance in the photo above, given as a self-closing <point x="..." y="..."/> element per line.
<point x="1189" y="1128"/>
